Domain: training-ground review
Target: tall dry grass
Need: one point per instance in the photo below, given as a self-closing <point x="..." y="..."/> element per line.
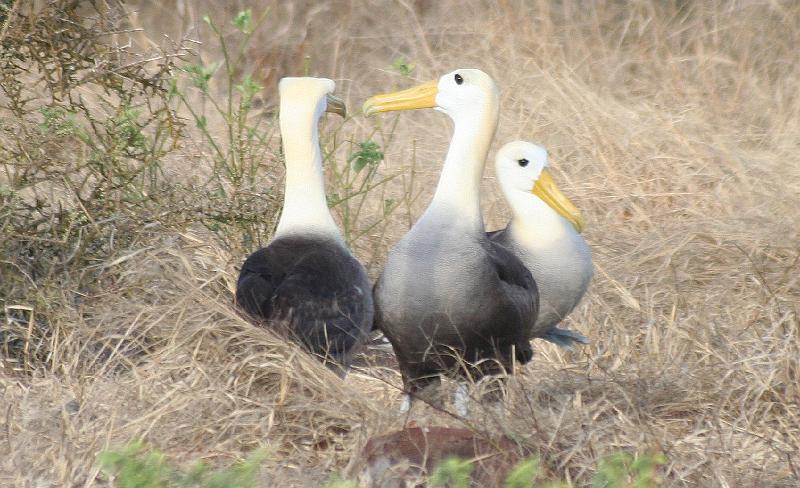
<point x="674" y="126"/>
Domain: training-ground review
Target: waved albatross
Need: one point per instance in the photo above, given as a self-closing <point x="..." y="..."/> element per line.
<point x="306" y="283"/>
<point x="544" y="233"/>
<point x="447" y="292"/>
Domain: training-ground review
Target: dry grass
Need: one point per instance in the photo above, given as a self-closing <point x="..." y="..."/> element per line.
<point x="675" y="127"/>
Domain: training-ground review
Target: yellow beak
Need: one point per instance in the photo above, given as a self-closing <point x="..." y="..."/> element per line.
<point x="546" y="189"/>
<point x="336" y="106"/>
<point x="420" y="96"/>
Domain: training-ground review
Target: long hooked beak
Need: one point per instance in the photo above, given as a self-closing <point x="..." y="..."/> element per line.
<point x="336" y="105"/>
<point x="546" y="189"/>
<point x="420" y="96"/>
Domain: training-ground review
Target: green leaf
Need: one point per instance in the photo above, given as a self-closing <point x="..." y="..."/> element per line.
<point x="59" y="121"/>
<point x="340" y="483"/>
<point x="611" y="471"/>
<point x="388" y="204"/>
<point x="523" y="475"/>
<point x="248" y="88"/>
<point x="239" y="475"/>
<point x="6" y="191"/>
<point x="173" y="88"/>
<point x="623" y="470"/>
<point x="368" y="154"/>
<point x="138" y="466"/>
<point x="452" y="471"/>
<point x="243" y="21"/>
<point x="645" y="467"/>
<point x="200" y="75"/>
<point x="333" y="199"/>
<point x="402" y="66"/>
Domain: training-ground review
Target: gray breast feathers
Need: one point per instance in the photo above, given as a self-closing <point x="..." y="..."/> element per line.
<point x="454" y="291"/>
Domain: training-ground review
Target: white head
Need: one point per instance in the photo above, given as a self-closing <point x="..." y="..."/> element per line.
<point x="471" y="99"/>
<point x="299" y="96"/>
<point x="518" y="165"/>
<point x="460" y="91"/>
<point x="458" y="94"/>
<point x="522" y="167"/>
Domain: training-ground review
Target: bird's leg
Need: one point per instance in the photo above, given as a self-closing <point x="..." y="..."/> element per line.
<point x="461" y="399"/>
<point x="405" y="405"/>
<point x="426" y="389"/>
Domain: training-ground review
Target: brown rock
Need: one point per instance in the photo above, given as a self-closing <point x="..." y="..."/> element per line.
<point x="401" y="459"/>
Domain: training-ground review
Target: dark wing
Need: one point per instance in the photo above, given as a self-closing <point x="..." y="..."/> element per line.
<point x="260" y="275"/>
<point x="561" y="337"/>
<point x="328" y="303"/>
<point x="512" y="271"/>
<point x="518" y="285"/>
<point x="376" y="321"/>
<point x="314" y="288"/>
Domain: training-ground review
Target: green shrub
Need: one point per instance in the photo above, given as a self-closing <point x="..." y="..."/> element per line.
<point x="84" y="128"/>
<point x="339" y="483"/>
<point x="621" y="470"/>
<point x="452" y="472"/>
<point x="523" y="475"/>
<point x="138" y="466"/>
<point x="93" y="167"/>
<point x="624" y="470"/>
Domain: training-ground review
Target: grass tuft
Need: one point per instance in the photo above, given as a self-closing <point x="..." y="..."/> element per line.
<point x="140" y="163"/>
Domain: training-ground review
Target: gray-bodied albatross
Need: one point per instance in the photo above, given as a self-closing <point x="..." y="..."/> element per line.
<point x="447" y="292"/>
<point x="545" y="233"/>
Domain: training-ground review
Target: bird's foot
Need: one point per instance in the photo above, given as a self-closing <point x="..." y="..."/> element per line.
<point x="461" y="400"/>
<point x="405" y="404"/>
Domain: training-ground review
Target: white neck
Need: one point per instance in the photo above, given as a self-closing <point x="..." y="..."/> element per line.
<point x="535" y="224"/>
<point x="305" y="209"/>
<point x="460" y="182"/>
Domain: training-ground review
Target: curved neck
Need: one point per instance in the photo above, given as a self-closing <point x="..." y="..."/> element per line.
<point x="305" y="209"/>
<point x="534" y="223"/>
<point x="460" y="182"/>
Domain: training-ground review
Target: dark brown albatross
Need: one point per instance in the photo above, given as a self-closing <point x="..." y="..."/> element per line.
<point x="306" y="283"/>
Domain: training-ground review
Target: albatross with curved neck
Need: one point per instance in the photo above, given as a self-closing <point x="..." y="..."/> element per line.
<point x="447" y="292"/>
<point x="545" y="233"/>
<point x="306" y="283"/>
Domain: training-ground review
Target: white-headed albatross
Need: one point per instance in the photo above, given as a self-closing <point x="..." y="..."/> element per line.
<point x="545" y="233"/>
<point x="446" y="291"/>
<point x="306" y="283"/>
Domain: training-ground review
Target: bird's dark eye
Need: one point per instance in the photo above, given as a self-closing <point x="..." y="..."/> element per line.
<point x="522" y="162"/>
<point x="459" y="79"/>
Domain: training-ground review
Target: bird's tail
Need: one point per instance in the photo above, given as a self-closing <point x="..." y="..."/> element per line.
<point x="564" y="338"/>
